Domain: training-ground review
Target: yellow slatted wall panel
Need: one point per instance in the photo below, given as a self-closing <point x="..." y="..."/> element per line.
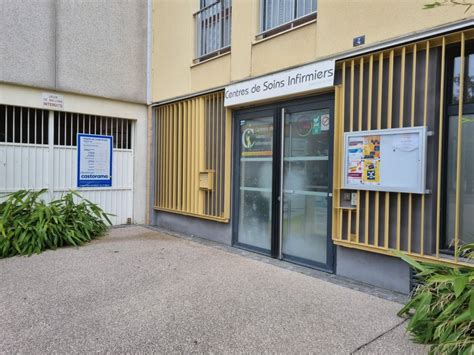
<point x="398" y="87"/>
<point x="193" y="153"/>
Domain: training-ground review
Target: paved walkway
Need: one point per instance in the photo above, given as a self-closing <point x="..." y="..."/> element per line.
<point x="138" y="290"/>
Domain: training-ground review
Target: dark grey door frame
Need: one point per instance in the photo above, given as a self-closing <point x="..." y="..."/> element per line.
<point x="314" y="102"/>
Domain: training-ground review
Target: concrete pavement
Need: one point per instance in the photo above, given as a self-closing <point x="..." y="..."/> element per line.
<point x="138" y="290"/>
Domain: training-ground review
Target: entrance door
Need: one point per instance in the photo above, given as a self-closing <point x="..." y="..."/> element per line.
<point x="256" y="181"/>
<point x="305" y="184"/>
<point x="283" y="164"/>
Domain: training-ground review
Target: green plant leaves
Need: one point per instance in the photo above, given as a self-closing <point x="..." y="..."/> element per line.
<point x="441" y="309"/>
<point x="29" y="225"/>
<point x="471" y="305"/>
<point x="459" y="285"/>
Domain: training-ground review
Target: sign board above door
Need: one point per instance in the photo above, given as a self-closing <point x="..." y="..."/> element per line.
<point x="306" y="78"/>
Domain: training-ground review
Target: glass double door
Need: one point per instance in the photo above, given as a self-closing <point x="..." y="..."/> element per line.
<point x="284" y="184"/>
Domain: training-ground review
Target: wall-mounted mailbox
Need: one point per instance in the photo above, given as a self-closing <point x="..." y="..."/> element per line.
<point x="206" y="180"/>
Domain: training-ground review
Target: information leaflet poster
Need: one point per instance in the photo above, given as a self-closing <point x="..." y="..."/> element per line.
<point x="392" y="160"/>
<point x="94" y="160"/>
<point x="364" y="160"/>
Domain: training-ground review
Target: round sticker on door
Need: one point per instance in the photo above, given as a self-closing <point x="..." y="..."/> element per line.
<point x="303" y="126"/>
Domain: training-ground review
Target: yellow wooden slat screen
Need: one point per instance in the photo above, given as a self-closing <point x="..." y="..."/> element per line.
<point x="193" y="152"/>
<point x="394" y="88"/>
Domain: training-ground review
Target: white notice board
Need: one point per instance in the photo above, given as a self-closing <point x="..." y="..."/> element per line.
<point x="386" y="160"/>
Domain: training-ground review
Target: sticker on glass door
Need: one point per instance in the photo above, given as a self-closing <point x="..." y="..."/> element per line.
<point x="256" y="161"/>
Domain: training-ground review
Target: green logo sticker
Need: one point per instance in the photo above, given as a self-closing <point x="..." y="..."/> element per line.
<point x="316" y="125"/>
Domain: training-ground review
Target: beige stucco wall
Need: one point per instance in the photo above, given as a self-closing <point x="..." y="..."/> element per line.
<point x="339" y="21"/>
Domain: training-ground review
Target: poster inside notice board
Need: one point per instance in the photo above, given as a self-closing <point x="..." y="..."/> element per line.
<point x="94" y="160"/>
<point x="386" y="160"/>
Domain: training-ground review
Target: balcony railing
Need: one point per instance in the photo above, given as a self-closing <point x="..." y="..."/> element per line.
<point x="213" y="27"/>
<point x="279" y="15"/>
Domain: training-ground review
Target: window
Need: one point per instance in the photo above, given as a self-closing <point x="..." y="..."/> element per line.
<point x="23" y="125"/>
<point x="213" y="27"/>
<point x="67" y="125"/>
<point x="279" y="15"/>
<point x="466" y="179"/>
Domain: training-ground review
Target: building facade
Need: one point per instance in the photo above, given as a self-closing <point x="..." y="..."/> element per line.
<point x="323" y="133"/>
<point x="71" y="67"/>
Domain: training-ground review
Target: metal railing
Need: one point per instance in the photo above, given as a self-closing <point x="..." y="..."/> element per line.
<point x="278" y="13"/>
<point x="213" y="28"/>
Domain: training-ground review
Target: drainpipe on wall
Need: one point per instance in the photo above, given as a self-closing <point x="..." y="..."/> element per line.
<point x="149" y="42"/>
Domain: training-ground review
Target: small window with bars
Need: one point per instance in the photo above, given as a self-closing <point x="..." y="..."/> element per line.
<point x="67" y="125"/>
<point x="280" y="15"/>
<point x="23" y="125"/>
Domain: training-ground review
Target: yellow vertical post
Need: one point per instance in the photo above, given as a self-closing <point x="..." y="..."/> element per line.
<point x="412" y="123"/>
<point x="214" y="148"/>
<point x="459" y="151"/>
<point x="379" y="123"/>
<point x="185" y="158"/>
<point x="361" y="97"/>
<point x="336" y="155"/>
<point x="351" y="127"/>
<point x="194" y="146"/>
<point x="157" y="157"/>
<point x="221" y="154"/>
<point x="425" y="122"/>
<point x="340" y="135"/>
<point x="179" y="159"/>
<point x="389" y="125"/>
<point x="440" y="145"/>
<point x="361" y="91"/>
<point x="164" y="169"/>
<point x="189" y="134"/>
<point x="202" y="149"/>
<point x="227" y="161"/>
<point x="369" y="127"/>
<point x="175" y="155"/>
<point x="160" y="156"/>
<point x="351" y="97"/>
<point x="400" y="125"/>
<point x="168" y="156"/>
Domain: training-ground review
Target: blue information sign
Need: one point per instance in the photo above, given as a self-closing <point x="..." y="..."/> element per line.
<point x="94" y="160"/>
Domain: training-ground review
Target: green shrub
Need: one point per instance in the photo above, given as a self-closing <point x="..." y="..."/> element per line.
<point x="29" y="225"/>
<point x="441" y="309"/>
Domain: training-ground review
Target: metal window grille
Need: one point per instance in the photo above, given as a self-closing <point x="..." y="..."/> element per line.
<point x="67" y="125"/>
<point x="213" y="27"/>
<point x="277" y="13"/>
<point x="398" y="87"/>
<point x="192" y="173"/>
<point x="23" y="125"/>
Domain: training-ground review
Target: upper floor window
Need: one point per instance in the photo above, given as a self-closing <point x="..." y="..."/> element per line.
<point x="213" y="27"/>
<point x="279" y="15"/>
